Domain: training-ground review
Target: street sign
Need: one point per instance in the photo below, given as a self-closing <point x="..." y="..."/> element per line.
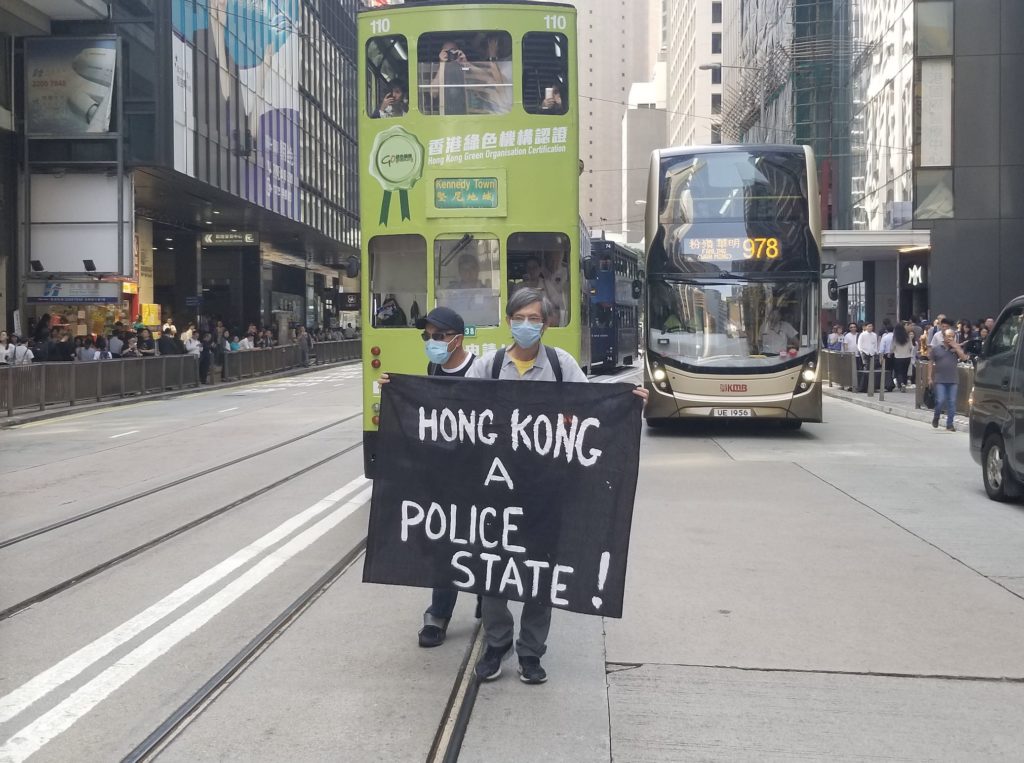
<point x="240" y="238"/>
<point x="193" y="301"/>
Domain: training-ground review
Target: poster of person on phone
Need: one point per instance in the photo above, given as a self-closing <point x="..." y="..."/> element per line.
<point x="69" y="85"/>
<point x="236" y="73"/>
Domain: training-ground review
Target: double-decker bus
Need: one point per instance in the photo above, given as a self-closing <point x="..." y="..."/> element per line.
<point x="614" y="308"/>
<point x="469" y="190"/>
<point x="733" y="284"/>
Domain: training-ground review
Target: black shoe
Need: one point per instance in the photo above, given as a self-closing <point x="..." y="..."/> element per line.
<point x="431" y="635"/>
<point x="530" y="671"/>
<point x="479" y="605"/>
<point x="489" y="666"/>
<point x="935" y="423"/>
<point x="951" y="428"/>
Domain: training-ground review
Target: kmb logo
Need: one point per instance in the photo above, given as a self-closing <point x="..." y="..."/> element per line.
<point x="733" y="387"/>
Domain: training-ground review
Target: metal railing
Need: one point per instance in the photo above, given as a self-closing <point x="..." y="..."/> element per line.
<point x="40" y="385"/>
<point x="247" y="364"/>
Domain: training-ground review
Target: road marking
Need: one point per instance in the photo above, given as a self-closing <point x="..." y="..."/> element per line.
<point x="235" y="408"/>
<point x="71" y="666"/>
<point x="298" y="393"/>
<point x="123" y="434"/>
<point x="51" y="724"/>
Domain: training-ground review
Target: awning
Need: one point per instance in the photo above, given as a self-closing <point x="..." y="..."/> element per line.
<point x="872" y="245"/>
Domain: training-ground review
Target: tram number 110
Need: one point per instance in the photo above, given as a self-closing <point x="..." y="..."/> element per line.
<point x="761" y="248"/>
<point x="380" y="26"/>
<point x="555" y="22"/>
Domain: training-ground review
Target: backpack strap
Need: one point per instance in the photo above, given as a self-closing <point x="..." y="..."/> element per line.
<point x="431" y="369"/>
<point x="499" y="359"/>
<point x="556" y="366"/>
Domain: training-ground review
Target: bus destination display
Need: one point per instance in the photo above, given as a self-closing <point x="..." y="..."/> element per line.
<point x="724" y="249"/>
<point x="466" y="193"/>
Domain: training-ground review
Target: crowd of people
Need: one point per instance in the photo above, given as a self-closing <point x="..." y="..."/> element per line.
<point x="918" y="352"/>
<point x="48" y="343"/>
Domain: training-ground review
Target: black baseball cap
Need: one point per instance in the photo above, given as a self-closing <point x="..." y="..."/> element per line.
<point x="444" y="318"/>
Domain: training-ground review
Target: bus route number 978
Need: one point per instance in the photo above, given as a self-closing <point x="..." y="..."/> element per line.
<point x="555" y="22"/>
<point x="761" y="248"/>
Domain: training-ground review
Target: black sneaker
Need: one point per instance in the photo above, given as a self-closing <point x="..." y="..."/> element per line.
<point x="431" y="635"/>
<point x="951" y="428"/>
<point x="935" y="423"/>
<point x="489" y="666"/>
<point x="530" y="671"/>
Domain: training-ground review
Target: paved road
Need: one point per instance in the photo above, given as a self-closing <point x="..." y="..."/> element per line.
<point x="842" y="592"/>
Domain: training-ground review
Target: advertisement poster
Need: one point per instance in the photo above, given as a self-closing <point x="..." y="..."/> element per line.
<point x="253" y="46"/>
<point x="69" y="85"/>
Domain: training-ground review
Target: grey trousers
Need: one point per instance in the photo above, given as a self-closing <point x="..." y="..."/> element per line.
<point x="499" y="626"/>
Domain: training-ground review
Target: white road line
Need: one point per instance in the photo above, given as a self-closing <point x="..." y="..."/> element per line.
<point x="228" y="409"/>
<point x="71" y="666"/>
<point x="51" y="724"/>
<point x="123" y="434"/>
<point x="298" y="393"/>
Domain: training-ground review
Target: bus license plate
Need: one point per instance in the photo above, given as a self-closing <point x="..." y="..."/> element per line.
<point x="732" y="412"/>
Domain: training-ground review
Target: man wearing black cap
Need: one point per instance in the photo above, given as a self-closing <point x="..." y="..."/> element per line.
<point x="443" y="330"/>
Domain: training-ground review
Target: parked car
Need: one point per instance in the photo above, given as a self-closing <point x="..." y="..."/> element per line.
<point x="997" y="411"/>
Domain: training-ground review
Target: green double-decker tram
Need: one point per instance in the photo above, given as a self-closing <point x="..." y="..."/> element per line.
<point x="469" y="183"/>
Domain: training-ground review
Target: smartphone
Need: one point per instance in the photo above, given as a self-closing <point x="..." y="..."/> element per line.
<point x="549" y="93"/>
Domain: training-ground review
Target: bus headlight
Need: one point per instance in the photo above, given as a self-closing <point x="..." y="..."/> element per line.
<point x="659" y="374"/>
<point x="808" y="375"/>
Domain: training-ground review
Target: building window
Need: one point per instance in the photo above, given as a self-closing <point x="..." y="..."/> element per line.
<point x="716" y="76"/>
<point x="716" y="13"/>
<point x="716" y="134"/>
<point x="716" y="103"/>
<point x="933" y="194"/>
<point x="934" y="28"/>
<point x="716" y="43"/>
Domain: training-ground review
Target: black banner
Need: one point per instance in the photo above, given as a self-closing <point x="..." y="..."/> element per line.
<point x="522" y="490"/>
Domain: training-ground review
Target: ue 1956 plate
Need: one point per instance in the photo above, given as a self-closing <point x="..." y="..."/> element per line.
<point x="732" y="412"/>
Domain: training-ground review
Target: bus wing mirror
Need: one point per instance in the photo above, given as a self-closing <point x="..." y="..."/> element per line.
<point x="589" y="268"/>
<point x="352" y="267"/>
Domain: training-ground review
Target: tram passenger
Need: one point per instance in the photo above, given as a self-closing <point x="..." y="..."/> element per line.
<point x="529" y="313"/>
<point x="464" y="86"/>
<point x="552" y="99"/>
<point x="469" y="273"/>
<point x="443" y="331"/>
<point x="394" y="103"/>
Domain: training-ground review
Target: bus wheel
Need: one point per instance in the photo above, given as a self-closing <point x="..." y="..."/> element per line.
<point x="791" y="425"/>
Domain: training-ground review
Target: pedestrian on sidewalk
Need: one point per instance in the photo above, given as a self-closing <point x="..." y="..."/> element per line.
<point x="529" y="312"/>
<point x="19" y="354"/>
<point x="867" y="348"/>
<point x="835" y="339"/>
<point x="850" y="339"/>
<point x="885" y="353"/>
<point x="443" y="332"/>
<point x="942" y="376"/>
<point x="902" y="350"/>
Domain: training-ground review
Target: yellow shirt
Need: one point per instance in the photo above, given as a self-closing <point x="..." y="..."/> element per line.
<point x="523" y="365"/>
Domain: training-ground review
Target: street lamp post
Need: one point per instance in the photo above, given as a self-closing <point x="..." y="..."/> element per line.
<point x="760" y="91"/>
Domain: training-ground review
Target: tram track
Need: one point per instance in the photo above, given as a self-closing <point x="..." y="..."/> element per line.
<point x="7" y="543"/>
<point x="80" y="577"/>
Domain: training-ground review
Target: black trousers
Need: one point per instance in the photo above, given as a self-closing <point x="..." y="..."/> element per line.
<point x="901" y="367"/>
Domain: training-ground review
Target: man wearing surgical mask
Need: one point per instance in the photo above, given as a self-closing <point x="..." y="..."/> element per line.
<point x="529" y="313"/>
<point x="443" y="329"/>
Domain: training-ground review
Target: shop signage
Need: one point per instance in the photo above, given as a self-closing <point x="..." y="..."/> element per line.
<point x="72" y="292"/>
<point x="68" y="85"/>
<point x="350" y="300"/>
<point x="150" y="314"/>
<point x="915" y="276"/>
<point x="129" y="287"/>
<point x="241" y="238"/>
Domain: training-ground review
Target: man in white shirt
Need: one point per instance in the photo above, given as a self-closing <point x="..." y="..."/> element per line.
<point x="777" y="335"/>
<point x="867" y="342"/>
<point x="245" y="343"/>
<point x="850" y="340"/>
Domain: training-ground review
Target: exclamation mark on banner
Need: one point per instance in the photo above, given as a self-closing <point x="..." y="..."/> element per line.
<point x="602" y="576"/>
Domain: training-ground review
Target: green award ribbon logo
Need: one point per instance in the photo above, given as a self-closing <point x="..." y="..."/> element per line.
<point x="396" y="162"/>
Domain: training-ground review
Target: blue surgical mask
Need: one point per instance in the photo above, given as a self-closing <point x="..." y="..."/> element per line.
<point x="437" y="352"/>
<point x="526" y="334"/>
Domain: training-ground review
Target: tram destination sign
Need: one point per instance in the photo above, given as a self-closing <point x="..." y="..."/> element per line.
<point x="518" y="490"/>
<point x="466" y="193"/>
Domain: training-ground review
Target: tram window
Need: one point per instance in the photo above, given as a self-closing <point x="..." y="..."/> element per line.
<point x="467" y="270"/>
<point x="465" y="73"/>
<point x="541" y="261"/>
<point x="387" y="75"/>
<point x="545" y="73"/>
<point x="398" y="279"/>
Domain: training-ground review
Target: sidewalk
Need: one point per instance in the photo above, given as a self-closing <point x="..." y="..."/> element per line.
<point x="895" y="403"/>
<point x="30" y="415"/>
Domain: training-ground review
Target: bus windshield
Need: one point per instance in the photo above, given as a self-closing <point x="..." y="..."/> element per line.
<point x="730" y="186"/>
<point x="743" y="324"/>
